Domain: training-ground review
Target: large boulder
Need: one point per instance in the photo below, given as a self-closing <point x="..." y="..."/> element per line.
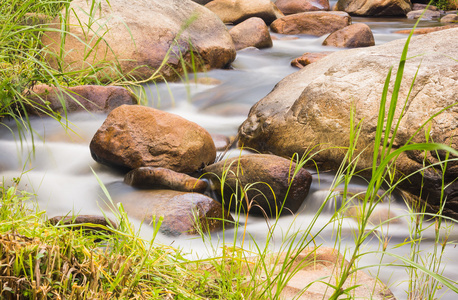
<point x="93" y="98"/>
<point x="134" y="37"/>
<point x="374" y="8"/>
<point x="353" y="36"/>
<point x="311" y="109"/>
<point x="183" y="213"/>
<point x="289" y="7"/>
<point x="236" y="11"/>
<point x="268" y="181"/>
<point x="315" y="23"/>
<point x="251" y="33"/>
<point x="135" y="136"/>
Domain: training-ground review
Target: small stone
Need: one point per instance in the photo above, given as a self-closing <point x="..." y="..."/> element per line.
<point x="308" y="58"/>
<point x="425" y="15"/>
<point x="450" y="18"/>
<point x="84" y="220"/>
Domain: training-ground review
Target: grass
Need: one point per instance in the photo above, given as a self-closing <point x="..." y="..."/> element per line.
<point x="40" y="261"/>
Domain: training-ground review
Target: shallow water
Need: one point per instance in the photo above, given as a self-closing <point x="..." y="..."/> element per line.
<point x="59" y="171"/>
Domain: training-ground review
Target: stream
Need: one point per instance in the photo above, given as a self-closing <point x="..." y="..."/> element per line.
<point x="60" y="170"/>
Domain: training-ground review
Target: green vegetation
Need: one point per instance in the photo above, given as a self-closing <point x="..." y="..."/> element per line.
<point x="40" y="261"/>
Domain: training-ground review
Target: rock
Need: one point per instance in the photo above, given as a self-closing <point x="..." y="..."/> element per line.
<point x="315" y="271"/>
<point x="207" y="81"/>
<point x="202" y="2"/>
<point x="426" y="30"/>
<point x="315" y="23"/>
<point x="251" y="33"/>
<point x="92" y="98"/>
<point x="136" y="136"/>
<point x="420" y="6"/>
<point x="311" y="108"/>
<point x="162" y="178"/>
<point x="427" y="15"/>
<point x="222" y="142"/>
<point x="308" y="58"/>
<point x="289" y="7"/>
<point x="449" y="18"/>
<point x="178" y="209"/>
<point x="353" y="36"/>
<point x="374" y="8"/>
<point x="236" y="11"/>
<point x="271" y="176"/>
<point x="133" y="38"/>
<point x="91" y="222"/>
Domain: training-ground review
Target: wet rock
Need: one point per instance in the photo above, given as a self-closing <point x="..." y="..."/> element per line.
<point x="315" y="23"/>
<point x="426" y="30"/>
<point x="136" y="136"/>
<point x="92" y="98"/>
<point x="289" y="7"/>
<point x="450" y="18"/>
<point x="251" y="33"/>
<point x="162" y="178"/>
<point x="427" y="15"/>
<point x="311" y="275"/>
<point x="311" y="108"/>
<point x="375" y="8"/>
<point x="271" y="176"/>
<point x="85" y="221"/>
<point x="236" y="11"/>
<point x="183" y="213"/>
<point x="133" y="37"/>
<point x="207" y="81"/>
<point x="308" y="58"/>
<point x="353" y="36"/>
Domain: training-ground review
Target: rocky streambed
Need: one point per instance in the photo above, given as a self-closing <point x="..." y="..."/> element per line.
<point x="157" y="163"/>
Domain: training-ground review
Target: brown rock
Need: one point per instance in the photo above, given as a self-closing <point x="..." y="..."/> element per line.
<point x="162" y="178"/>
<point x="86" y="221"/>
<point x="374" y="8"/>
<point x="251" y="33"/>
<point x="93" y="98"/>
<point x="425" y="15"/>
<point x="450" y="18"/>
<point x="426" y="30"/>
<point x="313" y="23"/>
<point x="183" y="212"/>
<point x="289" y="7"/>
<point x="136" y="136"/>
<point x="316" y="270"/>
<point x="271" y="176"/>
<point x="353" y="36"/>
<point x="308" y="58"/>
<point x="310" y="109"/>
<point x="222" y="142"/>
<point x="133" y="37"/>
<point x="236" y="11"/>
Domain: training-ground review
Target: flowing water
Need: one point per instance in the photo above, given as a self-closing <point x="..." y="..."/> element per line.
<point x="59" y="173"/>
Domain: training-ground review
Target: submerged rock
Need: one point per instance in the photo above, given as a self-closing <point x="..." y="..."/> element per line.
<point x="133" y="37"/>
<point x="183" y="213"/>
<point x="353" y="36"/>
<point x="269" y="182"/>
<point x="162" y="178"/>
<point x="92" y="98"/>
<point x="426" y="30"/>
<point x="315" y="23"/>
<point x="236" y="11"/>
<point x="251" y="33"/>
<point x="136" y="136"/>
<point x="374" y="8"/>
<point x="311" y="109"/>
